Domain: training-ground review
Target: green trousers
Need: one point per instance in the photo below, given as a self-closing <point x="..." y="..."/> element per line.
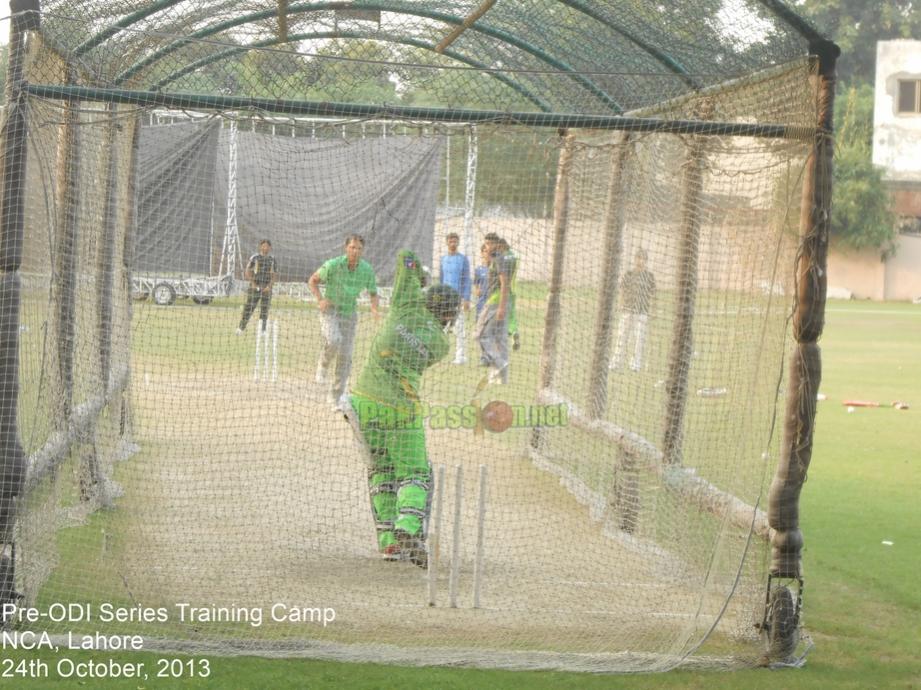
<point x="399" y="476"/>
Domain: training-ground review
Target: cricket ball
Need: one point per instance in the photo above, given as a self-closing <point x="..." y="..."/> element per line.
<point x="497" y="416"/>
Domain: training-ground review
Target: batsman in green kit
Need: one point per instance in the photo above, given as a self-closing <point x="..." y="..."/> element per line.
<point x="386" y="409"/>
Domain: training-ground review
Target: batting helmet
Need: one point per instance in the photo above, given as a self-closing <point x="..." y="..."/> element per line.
<point x="443" y="301"/>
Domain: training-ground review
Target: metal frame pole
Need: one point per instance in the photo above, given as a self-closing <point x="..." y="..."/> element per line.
<point x="12" y="235"/>
<point x="231" y="231"/>
<point x="470" y="192"/>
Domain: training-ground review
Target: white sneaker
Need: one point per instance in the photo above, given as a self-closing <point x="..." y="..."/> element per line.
<point x="239" y="331"/>
<point x="496" y="376"/>
<point x="460" y="360"/>
<point x="322" y="376"/>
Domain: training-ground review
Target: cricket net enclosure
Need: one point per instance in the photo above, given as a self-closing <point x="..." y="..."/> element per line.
<point x="627" y="501"/>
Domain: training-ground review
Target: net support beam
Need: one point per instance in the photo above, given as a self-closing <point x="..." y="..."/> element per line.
<point x="466" y="24"/>
<point x="547" y="362"/>
<point x="129" y="226"/>
<point x="560" y="226"/>
<point x="682" y="347"/>
<point x="231" y="244"/>
<point x="470" y="191"/>
<point x="65" y="255"/>
<point x="105" y="257"/>
<point x="291" y="108"/>
<point x="14" y="136"/>
<point x="91" y="475"/>
<point x="613" y="259"/>
<point x="130" y="220"/>
<point x="808" y="323"/>
<point x="640" y="454"/>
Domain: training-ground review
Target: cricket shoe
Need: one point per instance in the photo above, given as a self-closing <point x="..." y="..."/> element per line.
<point x="498" y="375"/>
<point x="392" y="553"/>
<point x="413" y="548"/>
<point x="322" y="376"/>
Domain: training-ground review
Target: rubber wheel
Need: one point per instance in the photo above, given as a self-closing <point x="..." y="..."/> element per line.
<point x="202" y="300"/>
<point x="164" y="294"/>
<point x="783" y="631"/>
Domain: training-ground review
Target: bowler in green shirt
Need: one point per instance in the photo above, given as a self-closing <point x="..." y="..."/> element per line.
<point x="345" y="278"/>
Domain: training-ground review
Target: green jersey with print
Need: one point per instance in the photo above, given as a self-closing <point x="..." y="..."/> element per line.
<point x="343" y="285"/>
<point x="410" y="341"/>
<point x="511" y="262"/>
<point x="501" y="264"/>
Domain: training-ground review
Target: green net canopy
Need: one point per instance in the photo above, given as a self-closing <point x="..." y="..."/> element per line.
<point x="559" y="56"/>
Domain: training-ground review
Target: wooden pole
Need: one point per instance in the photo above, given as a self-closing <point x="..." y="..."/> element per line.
<point x="610" y="269"/>
<point x="560" y="223"/>
<point x="679" y="361"/>
<point x="808" y="322"/>
<point x="467" y="23"/>
<point x="129" y="228"/>
<point x="105" y="257"/>
<point x="282" y="21"/>
<point x="64" y="288"/>
<point x="547" y="362"/>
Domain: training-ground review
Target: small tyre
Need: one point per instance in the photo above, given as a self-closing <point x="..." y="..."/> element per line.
<point x="164" y="294"/>
<point x="202" y="300"/>
<point x="783" y="628"/>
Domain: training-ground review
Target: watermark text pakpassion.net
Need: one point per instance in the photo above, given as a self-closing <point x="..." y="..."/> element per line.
<point x="495" y="416"/>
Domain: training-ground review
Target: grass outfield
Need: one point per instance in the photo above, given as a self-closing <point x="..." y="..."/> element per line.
<point x="861" y="606"/>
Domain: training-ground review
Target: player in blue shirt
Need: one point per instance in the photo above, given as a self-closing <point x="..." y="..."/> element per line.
<point x="481" y="283"/>
<point x="455" y="273"/>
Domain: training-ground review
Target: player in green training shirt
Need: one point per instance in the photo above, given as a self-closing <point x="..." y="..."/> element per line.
<point x="386" y="409"/>
<point x="345" y="278"/>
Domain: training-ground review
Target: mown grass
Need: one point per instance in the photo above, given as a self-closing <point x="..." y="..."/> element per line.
<point x="861" y="603"/>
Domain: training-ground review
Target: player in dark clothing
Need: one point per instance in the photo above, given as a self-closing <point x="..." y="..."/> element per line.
<point x="261" y="272"/>
<point x="637" y="290"/>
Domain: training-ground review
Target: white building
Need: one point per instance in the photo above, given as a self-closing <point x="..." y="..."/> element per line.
<point x="897" y="120"/>
<point x="897" y="150"/>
